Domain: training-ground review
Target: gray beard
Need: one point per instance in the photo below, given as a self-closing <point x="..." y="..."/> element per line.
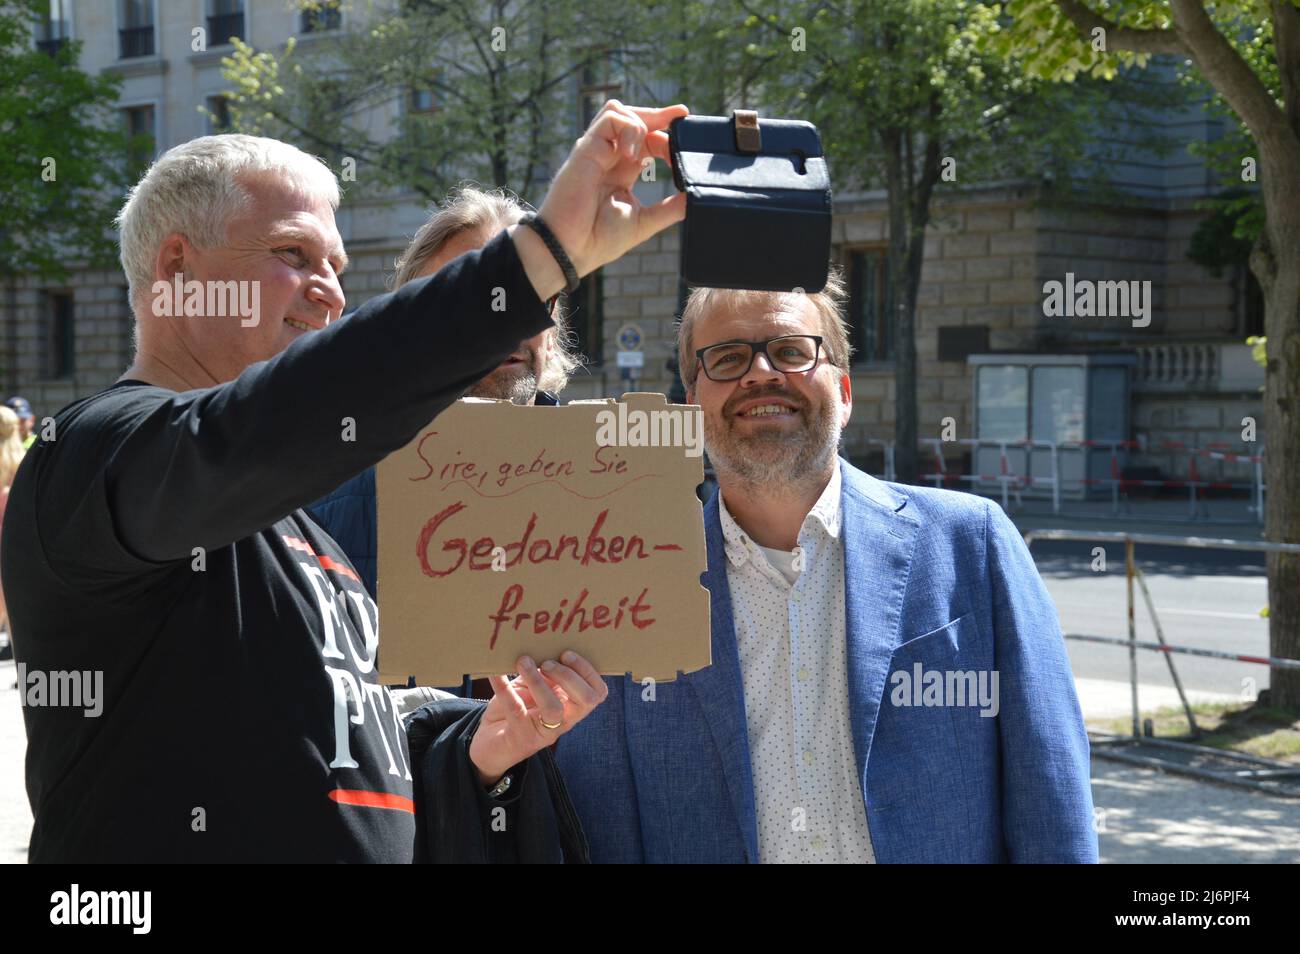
<point x="776" y="464"/>
<point x="518" y="388"/>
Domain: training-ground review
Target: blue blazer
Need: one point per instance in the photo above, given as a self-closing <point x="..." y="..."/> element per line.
<point x="934" y="577"/>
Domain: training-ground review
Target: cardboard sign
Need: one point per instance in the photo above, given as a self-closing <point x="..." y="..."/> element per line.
<point x="506" y="530"/>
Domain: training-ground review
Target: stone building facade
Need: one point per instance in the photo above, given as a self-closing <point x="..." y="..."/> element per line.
<point x="988" y="254"/>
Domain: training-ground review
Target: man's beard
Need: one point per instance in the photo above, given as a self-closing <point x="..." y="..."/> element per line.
<point x="775" y="460"/>
<point x="516" y="383"/>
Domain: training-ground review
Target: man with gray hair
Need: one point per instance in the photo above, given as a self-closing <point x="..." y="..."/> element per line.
<point x="889" y="681"/>
<point x="161" y="548"/>
<point x="532" y="374"/>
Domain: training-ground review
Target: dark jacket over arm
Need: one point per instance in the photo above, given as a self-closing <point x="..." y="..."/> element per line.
<point x="456" y="821"/>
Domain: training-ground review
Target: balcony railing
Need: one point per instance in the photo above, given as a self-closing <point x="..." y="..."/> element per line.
<point x="136" y="41"/>
<point x="221" y="29"/>
<point x="1196" y="366"/>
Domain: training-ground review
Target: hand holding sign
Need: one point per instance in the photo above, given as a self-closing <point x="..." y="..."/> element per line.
<point x="530" y="712"/>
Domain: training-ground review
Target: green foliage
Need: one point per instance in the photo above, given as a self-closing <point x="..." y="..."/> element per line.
<point x="1039" y="36"/>
<point x="876" y="72"/>
<point x="1240" y="201"/>
<point x="1259" y="354"/>
<point x="497" y="76"/>
<point x="50" y="110"/>
<point x="1050" y="46"/>
<point x="1218" y="241"/>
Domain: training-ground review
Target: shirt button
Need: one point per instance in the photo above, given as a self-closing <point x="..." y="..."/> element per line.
<point x="818" y="843"/>
<point x="807" y="757"/>
<point x="803" y="673"/>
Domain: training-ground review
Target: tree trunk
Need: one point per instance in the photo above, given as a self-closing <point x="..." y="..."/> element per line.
<point x="1277" y="266"/>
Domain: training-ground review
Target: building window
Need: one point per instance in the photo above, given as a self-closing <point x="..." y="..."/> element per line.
<point x="140" y="127"/>
<point x="1250" y="297"/>
<point x="135" y="34"/>
<point x="325" y="16"/>
<point x="53" y="29"/>
<point x="1002" y="402"/>
<point x="601" y="79"/>
<point x="225" y="21"/>
<point x="587" y="317"/>
<point x="424" y="98"/>
<point x="57" y="338"/>
<point x="218" y="114"/>
<point x="870" y="306"/>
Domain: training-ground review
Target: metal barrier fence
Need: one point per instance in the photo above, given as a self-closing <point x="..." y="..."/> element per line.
<point x="1010" y="482"/>
<point x="1134" y="574"/>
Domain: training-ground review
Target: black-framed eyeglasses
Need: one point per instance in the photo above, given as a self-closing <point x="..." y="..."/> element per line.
<point x="731" y="360"/>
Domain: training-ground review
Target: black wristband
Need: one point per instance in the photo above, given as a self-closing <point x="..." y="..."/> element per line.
<point x="533" y="221"/>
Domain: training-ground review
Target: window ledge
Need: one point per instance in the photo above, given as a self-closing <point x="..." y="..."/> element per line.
<point x="138" y="66"/>
<point x="313" y="37"/>
<point x="213" y="54"/>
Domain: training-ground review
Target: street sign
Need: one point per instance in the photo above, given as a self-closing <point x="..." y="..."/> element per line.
<point x="631" y="359"/>
<point x="629" y="338"/>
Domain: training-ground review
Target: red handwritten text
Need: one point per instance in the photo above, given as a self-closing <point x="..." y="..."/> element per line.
<point x="562" y="620"/>
<point x="593" y="548"/>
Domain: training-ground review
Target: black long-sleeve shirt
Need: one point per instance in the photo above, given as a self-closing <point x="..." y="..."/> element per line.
<point x="157" y="540"/>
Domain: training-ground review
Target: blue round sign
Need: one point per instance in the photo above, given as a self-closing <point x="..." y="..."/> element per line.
<point x="629" y="338"/>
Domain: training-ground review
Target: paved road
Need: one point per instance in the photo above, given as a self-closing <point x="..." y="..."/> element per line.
<point x="1204" y="599"/>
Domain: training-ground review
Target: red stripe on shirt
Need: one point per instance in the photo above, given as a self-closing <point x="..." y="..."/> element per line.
<point x="356" y="796"/>
<point x="326" y="562"/>
<point x="331" y="564"/>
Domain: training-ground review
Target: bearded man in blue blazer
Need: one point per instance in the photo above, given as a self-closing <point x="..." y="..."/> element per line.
<point x="889" y="682"/>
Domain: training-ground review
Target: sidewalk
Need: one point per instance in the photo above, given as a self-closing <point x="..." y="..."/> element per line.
<point x="1105" y="699"/>
<point x="15" y="815"/>
<point x="1148" y="817"/>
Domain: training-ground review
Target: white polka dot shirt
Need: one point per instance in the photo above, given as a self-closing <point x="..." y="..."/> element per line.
<point x="789" y="615"/>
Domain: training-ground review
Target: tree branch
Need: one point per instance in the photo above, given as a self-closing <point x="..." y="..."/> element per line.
<point x="1286" y="41"/>
<point x="1120" y="37"/>
<point x="929" y="173"/>
<point x="826" y="62"/>
<point x="1236" y="82"/>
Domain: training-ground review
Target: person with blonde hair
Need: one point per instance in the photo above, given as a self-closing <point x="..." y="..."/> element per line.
<point x="11" y="455"/>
